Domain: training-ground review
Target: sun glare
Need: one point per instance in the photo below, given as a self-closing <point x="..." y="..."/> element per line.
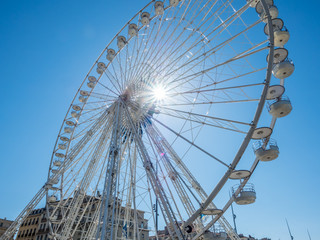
<point x="159" y="93"/>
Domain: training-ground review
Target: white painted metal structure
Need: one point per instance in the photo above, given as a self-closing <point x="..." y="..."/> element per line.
<point x="179" y="90"/>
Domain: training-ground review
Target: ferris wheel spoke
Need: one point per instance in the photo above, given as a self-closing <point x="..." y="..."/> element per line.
<point x="204" y="89"/>
<point x="245" y="35"/>
<point x="218" y="102"/>
<point x="80" y="144"/>
<point x="91" y="119"/>
<point x="104" y="96"/>
<point x="94" y="103"/>
<point x="113" y="80"/>
<point x="129" y="58"/>
<point x="88" y="116"/>
<point x="156" y="35"/>
<point x="152" y="48"/>
<point x="172" y="46"/>
<point x="72" y="175"/>
<point x="165" y="171"/>
<point x="241" y="19"/>
<point x="92" y="110"/>
<point x="108" y="88"/>
<point x="136" y="59"/>
<point x="114" y="76"/>
<point x="69" y="161"/>
<point x="207" y="116"/>
<point x="121" y="71"/>
<point x="190" y="142"/>
<point x="174" y="156"/>
<point x="173" y="175"/>
<point x="193" y="45"/>
<point x="82" y="132"/>
<point x="207" y="54"/>
<point x="233" y="59"/>
<point x="165" y="42"/>
<point x="140" y="53"/>
<point x="215" y="82"/>
<point x="202" y="123"/>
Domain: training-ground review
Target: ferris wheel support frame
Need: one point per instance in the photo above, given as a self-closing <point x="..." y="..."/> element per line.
<point x="164" y="204"/>
<point x="186" y="172"/>
<point x="111" y="178"/>
<point x="84" y="184"/>
<point x="11" y="231"/>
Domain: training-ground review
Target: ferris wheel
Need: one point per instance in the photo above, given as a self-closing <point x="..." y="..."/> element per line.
<point x="163" y="123"/>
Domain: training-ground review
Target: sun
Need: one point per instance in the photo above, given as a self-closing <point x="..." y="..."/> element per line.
<point x="159" y="93"/>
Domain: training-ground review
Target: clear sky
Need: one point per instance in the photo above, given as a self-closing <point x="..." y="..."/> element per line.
<point x="46" y="49"/>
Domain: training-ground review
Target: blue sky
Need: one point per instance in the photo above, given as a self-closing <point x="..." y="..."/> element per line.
<point x="47" y="47"/>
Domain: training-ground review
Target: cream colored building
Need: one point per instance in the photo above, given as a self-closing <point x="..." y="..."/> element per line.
<point x="4" y="225"/>
<point x="30" y="228"/>
<point x="35" y="227"/>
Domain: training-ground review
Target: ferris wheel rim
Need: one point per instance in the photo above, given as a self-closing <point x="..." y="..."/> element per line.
<point x="105" y="49"/>
<point x="247" y="138"/>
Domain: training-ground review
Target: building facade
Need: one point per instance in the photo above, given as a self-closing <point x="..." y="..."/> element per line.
<point x="32" y="227"/>
<point x="4" y="225"/>
<point x="35" y="226"/>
